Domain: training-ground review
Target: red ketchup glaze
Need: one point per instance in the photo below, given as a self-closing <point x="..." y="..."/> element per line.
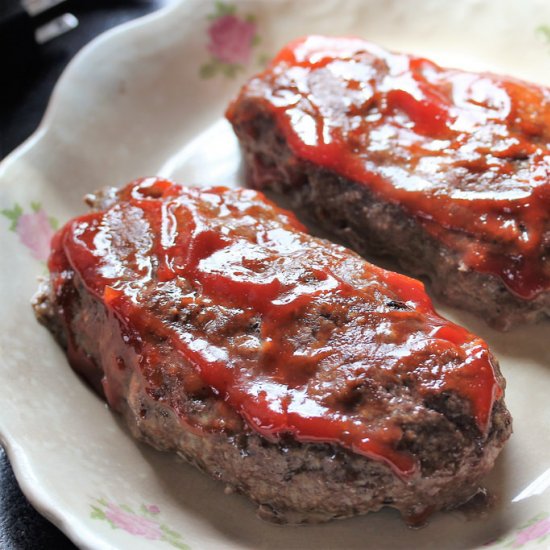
<point x="255" y="262"/>
<point x="466" y="154"/>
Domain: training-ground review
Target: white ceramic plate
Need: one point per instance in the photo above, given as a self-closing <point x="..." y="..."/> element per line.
<point x="148" y="98"/>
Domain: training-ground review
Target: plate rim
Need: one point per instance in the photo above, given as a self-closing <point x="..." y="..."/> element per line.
<point x="77" y="531"/>
<point x="74" y="526"/>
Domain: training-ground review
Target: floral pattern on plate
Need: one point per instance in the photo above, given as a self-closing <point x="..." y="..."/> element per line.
<point x="35" y="228"/>
<point x="231" y="40"/>
<point x="144" y="523"/>
<point x="536" y="530"/>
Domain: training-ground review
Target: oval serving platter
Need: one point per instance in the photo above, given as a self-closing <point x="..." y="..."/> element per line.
<point x="148" y="98"/>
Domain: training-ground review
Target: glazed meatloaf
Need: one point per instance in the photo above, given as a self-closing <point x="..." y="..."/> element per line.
<point x="285" y="366"/>
<point x="447" y="172"/>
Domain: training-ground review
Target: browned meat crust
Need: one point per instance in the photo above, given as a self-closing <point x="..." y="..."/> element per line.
<point x="370" y="225"/>
<point x="291" y="481"/>
<point x="372" y="145"/>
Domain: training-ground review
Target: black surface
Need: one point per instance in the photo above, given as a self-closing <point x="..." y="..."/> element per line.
<point x="26" y="93"/>
<point x="23" y="102"/>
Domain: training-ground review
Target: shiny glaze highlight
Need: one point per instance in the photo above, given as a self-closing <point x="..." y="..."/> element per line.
<point x="466" y="154"/>
<point x="231" y="281"/>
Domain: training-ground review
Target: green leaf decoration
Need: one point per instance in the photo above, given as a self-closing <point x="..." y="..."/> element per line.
<point x="36" y="206"/>
<point x="255" y="40"/>
<point x="97" y="513"/>
<point x="223" y="9"/>
<point x="176" y="543"/>
<point x="230" y="70"/>
<point x="263" y="59"/>
<point x="544" y="31"/>
<point x="168" y="532"/>
<point x="208" y="70"/>
<point x="534" y="520"/>
<point x="13" y="215"/>
<point x="54" y="223"/>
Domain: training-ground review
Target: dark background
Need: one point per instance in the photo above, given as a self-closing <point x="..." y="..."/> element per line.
<point x="24" y="95"/>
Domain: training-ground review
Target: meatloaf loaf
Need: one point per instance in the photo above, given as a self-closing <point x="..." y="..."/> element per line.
<point x="447" y="172"/>
<point x="286" y="366"/>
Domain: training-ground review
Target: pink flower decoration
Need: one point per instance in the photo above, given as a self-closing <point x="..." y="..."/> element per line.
<point x="35" y="232"/>
<point x="533" y="532"/>
<point x="231" y="39"/>
<point x="153" y="509"/>
<point x="136" y="525"/>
